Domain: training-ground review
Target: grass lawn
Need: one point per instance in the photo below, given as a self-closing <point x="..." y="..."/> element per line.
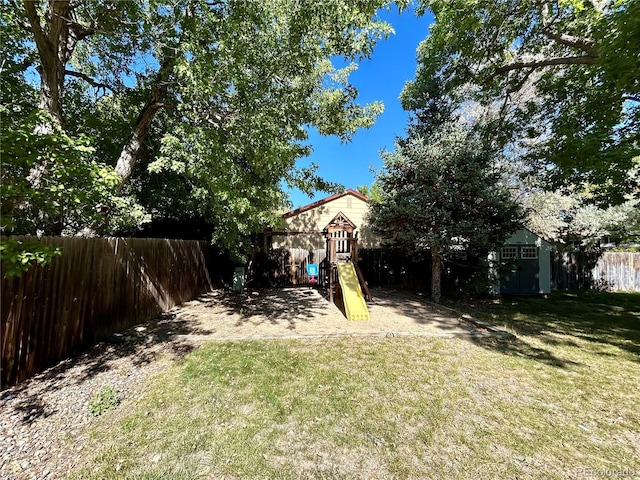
<point x="560" y="401"/>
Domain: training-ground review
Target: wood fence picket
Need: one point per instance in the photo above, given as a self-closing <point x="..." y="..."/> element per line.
<point x="618" y="271"/>
<point x="98" y="286"/>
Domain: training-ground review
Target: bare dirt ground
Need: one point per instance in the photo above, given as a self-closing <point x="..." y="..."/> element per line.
<point x="303" y="312"/>
<point x="44" y="422"/>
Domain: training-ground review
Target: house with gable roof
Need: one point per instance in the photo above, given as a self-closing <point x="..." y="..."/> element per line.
<point x="341" y="216"/>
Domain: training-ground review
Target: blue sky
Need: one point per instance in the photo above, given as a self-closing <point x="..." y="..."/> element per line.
<point x="381" y="78"/>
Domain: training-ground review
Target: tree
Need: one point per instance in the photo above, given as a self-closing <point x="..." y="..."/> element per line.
<point x="571" y="220"/>
<point x="66" y="198"/>
<point x="562" y="78"/>
<point x="204" y="101"/>
<point x="372" y="192"/>
<point x="442" y="193"/>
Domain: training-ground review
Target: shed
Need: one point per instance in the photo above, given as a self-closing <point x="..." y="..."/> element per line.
<point x="525" y="264"/>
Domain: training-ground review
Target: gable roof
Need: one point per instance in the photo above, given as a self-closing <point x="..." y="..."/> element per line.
<point x="323" y="201"/>
<point x="341" y="220"/>
<point x="529" y="233"/>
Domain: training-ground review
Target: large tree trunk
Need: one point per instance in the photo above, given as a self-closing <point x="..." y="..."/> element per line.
<point x="131" y="149"/>
<point x="140" y="131"/>
<point x="51" y="39"/>
<point x="55" y="36"/>
<point x="52" y="42"/>
<point x="436" y="274"/>
<point x="51" y="88"/>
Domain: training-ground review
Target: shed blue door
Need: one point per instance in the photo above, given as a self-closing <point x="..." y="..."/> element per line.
<point x="524" y="277"/>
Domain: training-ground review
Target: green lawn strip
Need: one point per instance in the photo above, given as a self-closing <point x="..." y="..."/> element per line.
<point x="594" y="339"/>
<point x="598" y="319"/>
<point x="383" y="408"/>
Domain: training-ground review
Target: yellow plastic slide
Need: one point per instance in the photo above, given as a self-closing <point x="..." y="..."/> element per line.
<point x="354" y="302"/>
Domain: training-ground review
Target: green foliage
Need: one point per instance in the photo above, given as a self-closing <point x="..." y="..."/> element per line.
<point x="17" y="56"/>
<point x="572" y="219"/>
<point x="557" y="78"/>
<point x="106" y="399"/>
<point x="443" y="191"/>
<point x="244" y="132"/>
<point x="52" y="185"/>
<point x="18" y="256"/>
<point x="223" y="93"/>
<point x="374" y="193"/>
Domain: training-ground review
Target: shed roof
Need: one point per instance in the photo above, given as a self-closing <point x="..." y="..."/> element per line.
<point x="526" y="234"/>
<point x="323" y="201"/>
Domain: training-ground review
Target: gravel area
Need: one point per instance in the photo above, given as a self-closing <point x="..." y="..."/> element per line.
<point x="45" y="421"/>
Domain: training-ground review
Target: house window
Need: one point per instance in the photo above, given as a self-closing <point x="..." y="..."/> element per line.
<point x="529" y="252"/>
<point x="508" y="252"/>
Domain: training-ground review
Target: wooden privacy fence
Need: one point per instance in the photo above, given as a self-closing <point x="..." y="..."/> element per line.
<point x="288" y="267"/>
<point x="393" y="268"/>
<point x="96" y="287"/>
<point x="609" y="271"/>
<point x="618" y="271"/>
<point x="284" y="267"/>
<point x="570" y="271"/>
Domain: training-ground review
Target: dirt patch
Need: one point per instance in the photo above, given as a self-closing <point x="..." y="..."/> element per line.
<point x="304" y="312"/>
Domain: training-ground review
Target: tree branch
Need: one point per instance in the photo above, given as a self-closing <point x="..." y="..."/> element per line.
<point x="545" y="62"/>
<point x="16" y="67"/>
<point x="34" y="22"/>
<point x="81" y="32"/>
<point x="513" y="89"/>
<point x="51" y="58"/>
<point x="88" y="79"/>
<point x="547" y="17"/>
<point x="585" y="44"/>
<point x="59" y="27"/>
<point x="140" y="130"/>
<point x="630" y="98"/>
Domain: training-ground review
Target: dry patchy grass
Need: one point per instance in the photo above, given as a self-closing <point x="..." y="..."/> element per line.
<point x="559" y="400"/>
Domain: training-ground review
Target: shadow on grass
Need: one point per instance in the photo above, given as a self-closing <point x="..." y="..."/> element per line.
<point x="413" y="305"/>
<point x="518" y="347"/>
<point x="568" y="319"/>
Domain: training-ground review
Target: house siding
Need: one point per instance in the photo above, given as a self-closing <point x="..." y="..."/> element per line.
<point x="317" y="218"/>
